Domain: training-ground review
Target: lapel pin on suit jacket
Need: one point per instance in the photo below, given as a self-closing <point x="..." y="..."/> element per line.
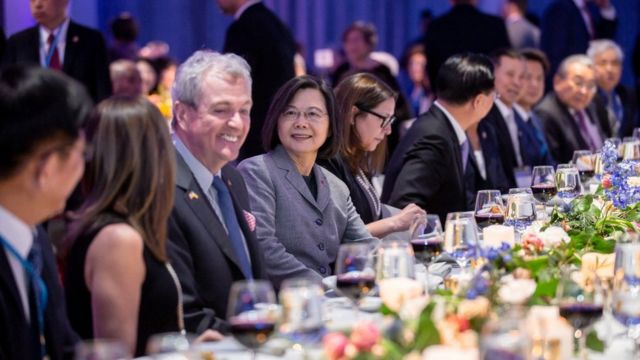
<point x="193" y="196"/>
<point x="75" y="39"/>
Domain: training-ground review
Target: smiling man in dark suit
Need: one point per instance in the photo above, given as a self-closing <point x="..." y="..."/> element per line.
<point x="77" y="50"/>
<point x="42" y="148"/>
<point x="432" y="166"/>
<point x="211" y="228"/>
<point x="267" y="45"/>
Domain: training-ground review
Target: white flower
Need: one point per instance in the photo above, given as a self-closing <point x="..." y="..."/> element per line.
<point x="395" y="292"/>
<point x="633" y="181"/>
<point x="516" y="291"/>
<point x="554" y="236"/>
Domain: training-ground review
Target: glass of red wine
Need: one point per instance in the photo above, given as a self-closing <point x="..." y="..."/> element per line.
<point x="252" y="313"/>
<point x="426" y="238"/>
<point x="355" y="274"/>
<point x="489" y="208"/>
<point x="543" y="185"/>
<point x="580" y="300"/>
<point x="583" y="160"/>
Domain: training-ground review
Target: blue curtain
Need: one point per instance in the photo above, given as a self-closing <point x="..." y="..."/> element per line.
<point x="195" y="24"/>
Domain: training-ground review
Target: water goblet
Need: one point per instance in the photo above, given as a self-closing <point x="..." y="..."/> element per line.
<point x="250" y="313"/>
<point x="583" y="161"/>
<point x="395" y="259"/>
<point x="489" y="208"/>
<point x="461" y="238"/>
<point x="302" y="320"/>
<point x="625" y="303"/>
<point x="567" y="182"/>
<point x="355" y="274"/>
<point x="521" y="208"/>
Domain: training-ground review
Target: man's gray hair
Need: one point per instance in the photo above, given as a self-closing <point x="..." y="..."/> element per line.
<point x="573" y="59"/>
<point x="598" y="46"/>
<point x="191" y="73"/>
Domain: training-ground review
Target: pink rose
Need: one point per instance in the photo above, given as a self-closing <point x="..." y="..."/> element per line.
<point x="532" y="242"/>
<point x="364" y="335"/>
<point x="334" y="345"/>
<point x="606" y="181"/>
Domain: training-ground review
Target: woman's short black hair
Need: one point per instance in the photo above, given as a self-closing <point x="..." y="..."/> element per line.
<point x="464" y="76"/>
<point x="283" y="98"/>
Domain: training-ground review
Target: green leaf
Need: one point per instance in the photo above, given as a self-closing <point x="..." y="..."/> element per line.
<point x="537" y="264"/>
<point x="546" y="288"/>
<point x="384" y="310"/>
<point x="427" y="333"/>
<point x="603" y="246"/>
<point x="579" y="239"/>
<point x="594" y="343"/>
<point x="393" y="351"/>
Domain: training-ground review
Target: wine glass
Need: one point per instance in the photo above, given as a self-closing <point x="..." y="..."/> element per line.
<point x="625" y="305"/>
<point x="580" y="301"/>
<point x="461" y="237"/>
<point x="636" y="133"/>
<point x="567" y="182"/>
<point x="302" y="320"/>
<point x="489" y="208"/>
<point x="395" y="259"/>
<point x="631" y="150"/>
<point x="251" y="314"/>
<point x="101" y="349"/>
<point x="521" y="208"/>
<point x="583" y="160"/>
<point x="543" y="185"/>
<point x="355" y="275"/>
<point x="426" y="238"/>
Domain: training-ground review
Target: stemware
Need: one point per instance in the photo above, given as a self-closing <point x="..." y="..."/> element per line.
<point x="426" y="238"/>
<point x="521" y="208"/>
<point x="579" y="298"/>
<point x="489" y="208"/>
<point x="625" y="303"/>
<point x="355" y="275"/>
<point x="631" y="150"/>
<point x="618" y="144"/>
<point x="568" y="182"/>
<point x="461" y="237"/>
<point x="251" y="313"/>
<point x="583" y="161"/>
<point x="395" y="259"/>
<point x="101" y="349"/>
<point x="543" y="184"/>
<point x="302" y="320"/>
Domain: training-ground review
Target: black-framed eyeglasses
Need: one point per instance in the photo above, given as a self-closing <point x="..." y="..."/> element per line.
<point x="386" y="121"/>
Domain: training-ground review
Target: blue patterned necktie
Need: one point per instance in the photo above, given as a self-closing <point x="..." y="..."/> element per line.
<point x="233" y="227"/>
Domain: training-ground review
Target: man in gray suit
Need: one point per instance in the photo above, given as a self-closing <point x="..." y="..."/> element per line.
<point x="522" y="33"/>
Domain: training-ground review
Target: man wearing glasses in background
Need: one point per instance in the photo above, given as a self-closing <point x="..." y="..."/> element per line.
<point x="570" y="119"/>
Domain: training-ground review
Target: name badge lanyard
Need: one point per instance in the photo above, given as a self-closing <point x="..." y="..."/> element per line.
<point x="52" y="49"/>
<point x="42" y="295"/>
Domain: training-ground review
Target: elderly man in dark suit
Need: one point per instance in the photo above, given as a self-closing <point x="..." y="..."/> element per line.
<point x="619" y="100"/>
<point x="570" y="119"/>
<point x="61" y="44"/>
<point x="462" y="29"/>
<point x="266" y="43"/>
<point x="42" y="160"/>
<point x="433" y="166"/>
<point x="211" y="226"/>
<point x="568" y="25"/>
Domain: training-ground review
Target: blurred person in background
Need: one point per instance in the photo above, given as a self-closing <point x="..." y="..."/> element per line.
<point x="124" y="30"/>
<point x="125" y="78"/>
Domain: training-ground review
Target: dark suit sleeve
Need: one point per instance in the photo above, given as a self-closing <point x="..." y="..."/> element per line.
<point x="555" y="34"/>
<point x="10" y="51"/>
<point x="103" y="80"/>
<point x="422" y="173"/>
<point x="197" y="317"/>
<point x="552" y="133"/>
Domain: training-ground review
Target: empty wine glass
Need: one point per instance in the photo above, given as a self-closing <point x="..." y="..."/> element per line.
<point x="631" y="150"/>
<point x="102" y="349"/>
<point x="461" y="237"/>
<point x="395" y="259"/>
<point x="625" y="304"/>
<point x="579" y="298"/>
<point x="543" y="185"/>
<point x="251" y="313"/>
<point x="567" y="182"/>
<point x="521" y="208"/>
<point x="583" y="161"/>
<point x="302" y="320"/>
<point x="355" y="275"/>
<point x="426" y="238"/>
<point x="489" y="208"/>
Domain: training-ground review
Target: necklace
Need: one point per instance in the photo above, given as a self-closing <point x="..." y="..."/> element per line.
<point x="364" y="183"/>
<point x="180" y="310"/>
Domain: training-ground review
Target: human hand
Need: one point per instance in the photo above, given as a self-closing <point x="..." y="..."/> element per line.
<point x="209" y="335"/>
<point x="403" y="219"/>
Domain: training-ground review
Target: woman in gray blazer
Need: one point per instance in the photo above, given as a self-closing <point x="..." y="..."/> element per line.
<point x="303" y="212"/>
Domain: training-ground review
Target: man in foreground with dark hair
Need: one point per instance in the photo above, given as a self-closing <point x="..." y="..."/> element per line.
<point x="433" y="165"/>
<point x="42" y="145"/>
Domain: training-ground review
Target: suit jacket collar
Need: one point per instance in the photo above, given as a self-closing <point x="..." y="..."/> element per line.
<point x="283" y="161"/>
<point x="441" y="116"/>
<point x="197" y="200"/>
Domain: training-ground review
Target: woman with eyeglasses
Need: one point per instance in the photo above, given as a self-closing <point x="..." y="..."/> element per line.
<point x="303" y="212"/>
<point x="366" y="109"/>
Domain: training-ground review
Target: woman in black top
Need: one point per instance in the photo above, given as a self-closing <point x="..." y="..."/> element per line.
<point x="366" y="107"/>
<point x="119" y="283"/>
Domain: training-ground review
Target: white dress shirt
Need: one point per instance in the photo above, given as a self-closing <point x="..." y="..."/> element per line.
<point x="507" y="114"/>
<point x="62" y="41"/>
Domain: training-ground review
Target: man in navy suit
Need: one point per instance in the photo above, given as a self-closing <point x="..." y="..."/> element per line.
<point x="211" y="228"/>
<point x="619" y="100"/>
<point x="433" y="166"/>
<point x="463" y="29"/>
<point x="42" y="160"/>
<point x="61" y="44"/>
<point x="267" y="45"/>
<point x="568" y="26"/>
